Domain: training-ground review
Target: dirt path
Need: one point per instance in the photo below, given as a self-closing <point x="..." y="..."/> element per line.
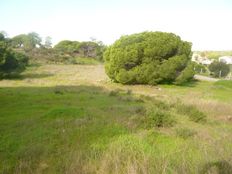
<point x="204" y="78"/>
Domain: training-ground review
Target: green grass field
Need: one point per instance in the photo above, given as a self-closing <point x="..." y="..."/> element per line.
<point x="72" y="119"/>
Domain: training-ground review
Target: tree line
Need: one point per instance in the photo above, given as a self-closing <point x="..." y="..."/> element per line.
<point x="31" y="44"/>
<point x="16" y="52"/>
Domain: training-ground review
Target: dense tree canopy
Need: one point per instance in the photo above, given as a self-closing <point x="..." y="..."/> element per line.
<point x="149" y="58"/>
<point x="83" y="49"/>
<point x="11" y="62"/>
<point x="67" y="46"/>
<point x="26" y="41"/>
<point x="219" y="69"/>
<point x="199" y="68"/>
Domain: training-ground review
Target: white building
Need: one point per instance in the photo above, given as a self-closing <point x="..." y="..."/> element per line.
<point x="201" y="60"/>
<point x="226" y="59"/>
<point x="195" y="57"/>
<point x="206" y="61"/>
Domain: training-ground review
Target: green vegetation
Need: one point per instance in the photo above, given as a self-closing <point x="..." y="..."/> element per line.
<point x="226" y="84"/>
<point x="65" y="52"/>
<point x="219" y="69"/>
<point x="58" y="127"/>
<point x="149" y="58"/>
<point x="26" y="41"/>
<point x="199" y="68"/>
<point x="64" y="115"/>
<point x="160" y="115"/>
<point x="215" y="54"/>
<point x="82" y="49"/>
<point x="11" y="63"/>
<point x="85" y="61"/>
<point x="192" y="112"/>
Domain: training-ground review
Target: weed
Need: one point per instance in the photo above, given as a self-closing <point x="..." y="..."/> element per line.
<point x="185" y="133"/>
<point x="128" y="91"/>
<point x="114" y="92"/>
<point x="127" y="154"/>
<point x="145" y="97"/>
<point x="126" y="98"/>
<point x="58" y="90"/>
<point x="192" y="112"/>
<point x="140" y="109"/>
<point x="159" y="118"/>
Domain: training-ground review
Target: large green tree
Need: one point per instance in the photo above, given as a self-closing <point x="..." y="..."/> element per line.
<point x="11" y="62"/>
<point x="149" y="58"/>
<point x="219" y="69"/>
<point x="67" y="46"/>
<point x="26" y="41"/>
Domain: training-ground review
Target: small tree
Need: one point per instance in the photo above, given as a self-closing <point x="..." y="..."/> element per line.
<point x="199" y="68"/>
<point x="219" y="69"/>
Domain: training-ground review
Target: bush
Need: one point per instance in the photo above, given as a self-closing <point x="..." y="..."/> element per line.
<point x="192" y="112"/>
<point x="198" y="68"/>
<point x="159" y="118"/>
<point x="185" y="133"/>
<point x="149" y="58"/>
<point x="219" y="69"/>
<point x="114" y="92"/>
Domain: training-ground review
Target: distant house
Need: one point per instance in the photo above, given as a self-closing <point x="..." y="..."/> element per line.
<point x="201" y="60"/>
<point x="226" y="59"/>
<point x="195" y="57"/>
<point x="206" y="61"/>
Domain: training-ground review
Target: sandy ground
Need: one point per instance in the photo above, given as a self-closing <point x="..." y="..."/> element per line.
<point x="204" y="78"/>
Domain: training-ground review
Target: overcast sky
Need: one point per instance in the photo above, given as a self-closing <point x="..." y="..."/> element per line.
<point x="205" y="23"/>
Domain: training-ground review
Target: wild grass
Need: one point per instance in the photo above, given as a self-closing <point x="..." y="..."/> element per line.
<point x="86" y="61"/>
<point x="226" y="84"/>
<point x="75" y="121"/>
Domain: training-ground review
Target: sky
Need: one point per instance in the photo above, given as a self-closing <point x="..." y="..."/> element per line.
<point x="205" y="23"/>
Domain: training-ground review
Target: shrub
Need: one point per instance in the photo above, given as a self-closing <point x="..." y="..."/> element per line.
<point x="157" y="117"/>
<point x="140" y="109"/>
<point x="192" y="112"/>
<point x="198" y="68"/>
<point x="114" y="92"/>
<point x="149" y="58"/>
<point x="11" y="63"/>
<point x="185" y="133"/>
